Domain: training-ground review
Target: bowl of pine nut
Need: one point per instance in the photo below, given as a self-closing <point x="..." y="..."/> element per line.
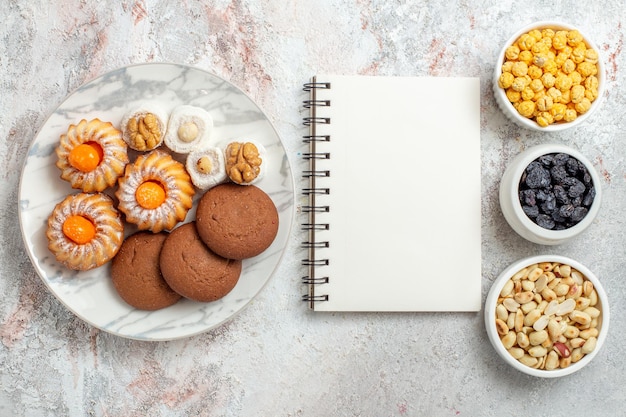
<point x="547" y="315"/>
<point x="549" y="77"/>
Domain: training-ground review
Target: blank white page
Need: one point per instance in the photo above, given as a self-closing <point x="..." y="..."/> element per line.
<point x="405" y="194"/>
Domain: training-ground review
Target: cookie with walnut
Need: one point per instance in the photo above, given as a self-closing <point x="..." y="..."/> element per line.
<point x="237" y="222"/>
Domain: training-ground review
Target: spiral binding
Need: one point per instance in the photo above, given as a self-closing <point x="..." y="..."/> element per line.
<point x="313" y="262"/>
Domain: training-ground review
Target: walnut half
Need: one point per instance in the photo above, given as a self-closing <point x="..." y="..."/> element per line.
<point x="243" y="162"/>
<point x="144" y="132"/>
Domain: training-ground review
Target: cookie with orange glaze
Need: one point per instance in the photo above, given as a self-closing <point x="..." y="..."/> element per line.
<point x="155" y="192"/>
<point x="85" y="231"/>
<point x="91" y="155"/>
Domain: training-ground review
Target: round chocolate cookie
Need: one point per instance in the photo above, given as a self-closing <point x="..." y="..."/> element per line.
<point x="235" y="221"/>
<point x="136" y="273"/>
<point x="193" y="270"/>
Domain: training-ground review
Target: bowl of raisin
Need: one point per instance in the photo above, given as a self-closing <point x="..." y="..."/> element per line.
<point x="550" y="193"/>
<point x="549" y="77"/>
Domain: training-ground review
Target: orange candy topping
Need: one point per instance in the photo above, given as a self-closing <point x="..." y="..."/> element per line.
<point x="86" y="156"/>
<point x="79" y="229"/>
<point x="150" y="195"/>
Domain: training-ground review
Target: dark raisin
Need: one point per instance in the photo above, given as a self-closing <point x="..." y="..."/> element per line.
<point x="531" y="211"/>
<point x="566" y="210"/>
<point x="560" y="194"/>
<point x="545" y="221"/>
<point x="576" y="188"/>
<point x="588" y="199"/>
<point x="579" y="214"/>
<point x="572" y="166"/>
<point x="558" y="173"/>
<point x="538" y="177"/>
<point x="560" y="158"/>
<point x="528" y="197"/>
<point x="546" y="160"/>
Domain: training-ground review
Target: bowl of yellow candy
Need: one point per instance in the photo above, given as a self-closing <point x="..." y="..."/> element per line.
<point x="549" y="77"/>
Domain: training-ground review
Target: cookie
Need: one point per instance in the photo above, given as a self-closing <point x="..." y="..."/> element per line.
<point x="193" y="270"/>
<point x="136" y="273"/>
<point x="237" y="222"/>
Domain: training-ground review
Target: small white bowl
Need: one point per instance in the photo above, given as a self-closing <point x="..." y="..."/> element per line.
<point x="490" y="315"/>
<point x="512" y="208"/>
<point x="512" y="114"/>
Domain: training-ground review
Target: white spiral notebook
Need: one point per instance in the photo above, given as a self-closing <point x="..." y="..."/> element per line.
<point x="394" y="194"/>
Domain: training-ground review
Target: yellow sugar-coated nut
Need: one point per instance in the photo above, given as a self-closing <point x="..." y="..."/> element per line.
<point x="587" y="68"/>
<point x="526" y="108"/>
<point x="540" y="59"/>
<point x="568" y="66"/>
<point x="559" y="40"/>
<point x="506" y="80"/>
<point x="548" y="80"/>
<point x="555" y="94"/>
<point x="528" y="93"/>
<point x="513" y="95"/>
<point x="577" y="93"/>
<point x="512" y="52"/>
<point x="558" y="111"/>
<point x="544" y="119"/>
<point x="591" y="94"/>
<point x="507" y="65"/>
<point x="546" y="33"/>
<point x="545" y="103"/>
<point x="534" y="72"/>
<point x="520" y="69"/>
<point x="566" y="96"/>
<point x="536" y="85"/>
<point x="539" y="94"/>
<point x="576" y="77"/>
<point x="519" y="83"/>
<point x="526" y="56"/>
<point x="583" y="106"/>
<point x="551" y="67"/>
<point x="536" y="33"/>
<point x="574" y="38"/>
<point x="591" y="82"/>
<point x="578" y="53"/>
<point x="563" y="82"/>
<point x="526" y="41"/>
<point x="591" y="56"/>
<point x="570" y="115"/>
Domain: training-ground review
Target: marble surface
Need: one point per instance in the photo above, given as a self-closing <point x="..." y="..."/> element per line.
<point x="276" y="357"/>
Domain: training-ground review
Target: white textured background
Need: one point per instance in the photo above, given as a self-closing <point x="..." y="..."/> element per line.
<point x="277" y="358"/>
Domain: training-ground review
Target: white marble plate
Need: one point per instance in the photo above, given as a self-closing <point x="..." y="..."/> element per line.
<point x="90" y="295"/>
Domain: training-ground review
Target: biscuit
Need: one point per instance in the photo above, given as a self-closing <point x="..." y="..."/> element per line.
<point x="136" y="273"/>
<point x="193" y="270"/>
<point x="237" y="222"/>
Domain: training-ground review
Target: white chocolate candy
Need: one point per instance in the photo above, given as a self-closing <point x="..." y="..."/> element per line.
<point x="189" y="128"/>
<point x="206" y="167"/>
